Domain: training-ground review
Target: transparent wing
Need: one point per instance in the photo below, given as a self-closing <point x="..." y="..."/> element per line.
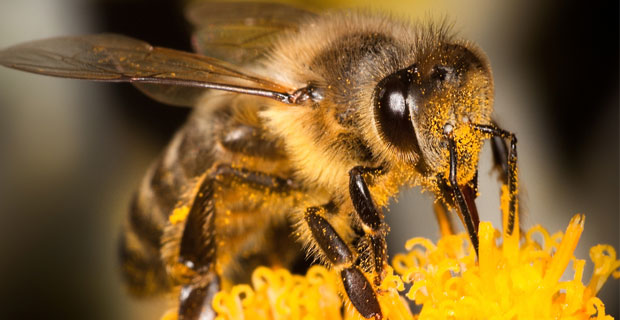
<point x="240" y="32"/>
<point x="167" y="75"/>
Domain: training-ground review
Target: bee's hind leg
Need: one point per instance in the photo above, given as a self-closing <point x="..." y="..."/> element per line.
<point x="198" y="247"/>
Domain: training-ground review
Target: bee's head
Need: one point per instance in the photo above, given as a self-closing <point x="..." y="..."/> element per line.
<point x="418" y="108"/>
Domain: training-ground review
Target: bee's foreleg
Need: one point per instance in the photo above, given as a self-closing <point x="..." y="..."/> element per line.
<point x="358" y="289"/>
<point x="371" y="218"/>
<point x="197" y="252"/>
<point x="506" y="163"/>
<point x="500" y="157"/>
<point x="506" y="160"/>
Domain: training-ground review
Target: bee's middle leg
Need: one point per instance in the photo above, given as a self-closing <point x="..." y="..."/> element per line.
<point x="338" y="253"/>
<point x="359" y="290"/>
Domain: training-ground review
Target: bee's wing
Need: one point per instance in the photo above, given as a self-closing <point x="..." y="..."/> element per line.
<point x="240" y="32"/>
<point x="168" y="75"/>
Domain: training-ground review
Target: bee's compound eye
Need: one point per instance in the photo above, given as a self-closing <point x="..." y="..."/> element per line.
<point x="393" y="104"/>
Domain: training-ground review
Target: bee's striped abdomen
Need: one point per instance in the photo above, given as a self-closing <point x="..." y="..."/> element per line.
<point x="161" y="190"/>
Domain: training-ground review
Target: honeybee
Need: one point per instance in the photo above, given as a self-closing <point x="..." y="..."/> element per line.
<point x="304" y="127"/>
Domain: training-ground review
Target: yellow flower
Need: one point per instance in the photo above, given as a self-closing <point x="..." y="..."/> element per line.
<point x="505" y="283"/>
<point x="510" y="280"/>
<point x="278" y="294"/>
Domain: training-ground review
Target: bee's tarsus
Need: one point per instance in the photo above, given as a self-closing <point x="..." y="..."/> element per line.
<point x="379" y="247"/>
<point x="512" y="184"/>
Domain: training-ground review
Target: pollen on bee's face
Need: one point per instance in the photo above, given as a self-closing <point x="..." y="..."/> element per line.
<point x="468" y="146"/>
<point x="446" y="122"/>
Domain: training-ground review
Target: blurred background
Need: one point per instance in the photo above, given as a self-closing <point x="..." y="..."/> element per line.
<point x="72" y="152"/>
